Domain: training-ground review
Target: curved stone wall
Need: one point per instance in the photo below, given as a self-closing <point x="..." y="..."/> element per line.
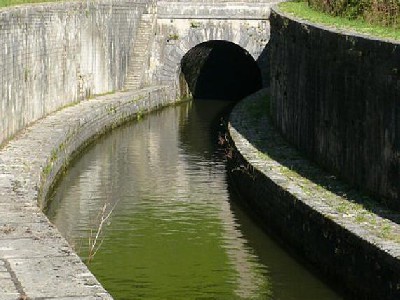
<point x="314" y="214"/>
<point x="336" y="97"/>
<point x="56" y="54"/>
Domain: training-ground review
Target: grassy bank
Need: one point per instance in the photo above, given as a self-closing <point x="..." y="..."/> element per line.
<point x="5" y="3"/>
<point x="383" y="12"/>
<point x="303" y="11"/>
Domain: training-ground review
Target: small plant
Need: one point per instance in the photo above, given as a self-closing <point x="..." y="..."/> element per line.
<point x="361" y="217"/>
<point x="139" y="115"/>
<point x="173" y="37"/>
<point x="111" y="109"/>
<point x="386" y="231"/>
<point x="194" y="25"/>
<point x="26" y="74"/>
<point x="47" y="169"/>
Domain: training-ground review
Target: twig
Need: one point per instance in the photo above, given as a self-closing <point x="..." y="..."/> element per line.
<point x="94" y="246"/>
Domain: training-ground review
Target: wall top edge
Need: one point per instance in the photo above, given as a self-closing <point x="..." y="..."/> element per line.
<point x="62" y="4"/>
<point x="219" y="4"/>
<point x="186" y="10"/>
<point x="206" y="17"/>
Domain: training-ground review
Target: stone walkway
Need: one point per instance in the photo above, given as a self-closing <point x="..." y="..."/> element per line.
<point x="36" y="262"/>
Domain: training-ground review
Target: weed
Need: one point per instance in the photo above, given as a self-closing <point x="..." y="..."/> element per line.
<point x="47" y="169"/>
<point x="26" y="74"/>
<point x="139" y="115"/>
<point x="361" y="217"/>
<point x="194" y="25"/>
<point x="111" y="109"/>
<point x="386" y="231"/>
<point x="173" y="37"/>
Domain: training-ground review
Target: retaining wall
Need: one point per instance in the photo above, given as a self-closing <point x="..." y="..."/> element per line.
<point x="311" y="212"/>
<point x="56" y="54"/>
<point x="336" y="96"/>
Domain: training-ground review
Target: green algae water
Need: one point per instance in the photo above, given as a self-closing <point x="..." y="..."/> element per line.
<point x="158" y="189"/>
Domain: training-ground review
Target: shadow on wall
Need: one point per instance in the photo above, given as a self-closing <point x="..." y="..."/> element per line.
<point x="263" y="62"/>
<point x="220" y="70"/>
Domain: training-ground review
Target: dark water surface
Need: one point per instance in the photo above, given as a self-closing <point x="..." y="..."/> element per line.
<point x="173" y="231"/>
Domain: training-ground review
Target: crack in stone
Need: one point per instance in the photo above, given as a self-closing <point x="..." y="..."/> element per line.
<point x="14" y="279"/>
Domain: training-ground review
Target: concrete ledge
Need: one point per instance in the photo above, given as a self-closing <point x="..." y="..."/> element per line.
<point x="345" y="234"/>
<point x="35" y="261"/>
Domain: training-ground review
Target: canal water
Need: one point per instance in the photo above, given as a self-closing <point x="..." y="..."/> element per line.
<point x="158" y="190"/>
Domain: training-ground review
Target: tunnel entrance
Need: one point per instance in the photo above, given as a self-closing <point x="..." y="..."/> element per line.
<point x="220" y="70"/>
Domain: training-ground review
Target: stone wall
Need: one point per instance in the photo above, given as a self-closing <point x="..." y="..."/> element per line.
<point x="55" y="54"/>
<point x="336" y="97"/>
<point x="312" y="214"/>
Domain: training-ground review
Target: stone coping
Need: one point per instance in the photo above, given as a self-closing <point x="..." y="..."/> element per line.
<point x="223" y="10"/>
<point x="264" y="153"/>
<point x="35" y="260"/>
<point x="17" y="9"/>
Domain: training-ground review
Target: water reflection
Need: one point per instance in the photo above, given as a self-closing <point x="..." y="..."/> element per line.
<point x="173" y="233"/>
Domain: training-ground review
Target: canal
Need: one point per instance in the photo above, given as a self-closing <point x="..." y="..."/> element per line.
<point x="158" y="191"/>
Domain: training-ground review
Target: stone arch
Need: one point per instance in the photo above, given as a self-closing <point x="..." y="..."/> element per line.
<point x="222" y="70"/>
<point x="174" y="38"/>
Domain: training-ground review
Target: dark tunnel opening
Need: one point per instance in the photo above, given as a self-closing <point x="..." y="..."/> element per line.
<point x="220" y="70"/>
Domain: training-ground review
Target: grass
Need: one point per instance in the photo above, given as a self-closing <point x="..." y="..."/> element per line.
<point x="303" y="11"/>
<point x="6" y="3"/>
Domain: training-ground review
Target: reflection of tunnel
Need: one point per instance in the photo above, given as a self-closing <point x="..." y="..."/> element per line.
<point x="220" y="70"/>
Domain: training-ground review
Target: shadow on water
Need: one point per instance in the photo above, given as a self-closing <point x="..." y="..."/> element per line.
<point x="290" y="274"/>
<point x="203" y="124"/>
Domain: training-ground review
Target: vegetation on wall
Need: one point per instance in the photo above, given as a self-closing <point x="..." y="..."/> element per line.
<point x="383" y="12"/>
<point x="302" y="10"/>
<point x="5" y="3"/>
